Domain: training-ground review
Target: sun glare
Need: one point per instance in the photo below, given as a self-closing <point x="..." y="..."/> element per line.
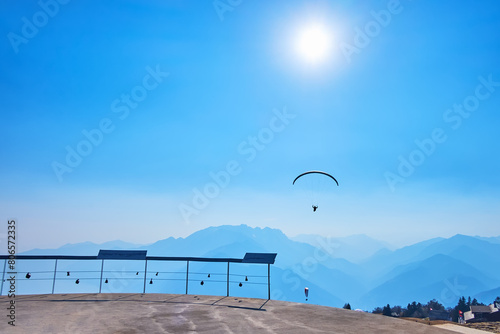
<point x="313" y="43"/>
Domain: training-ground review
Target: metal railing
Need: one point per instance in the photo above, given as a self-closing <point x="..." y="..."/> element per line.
<point x="129" y="255"/>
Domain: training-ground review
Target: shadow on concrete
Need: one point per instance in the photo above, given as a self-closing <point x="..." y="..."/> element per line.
<point x="231" y="302"/>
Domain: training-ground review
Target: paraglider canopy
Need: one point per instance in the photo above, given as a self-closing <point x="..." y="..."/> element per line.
<point x="315" y="172"/>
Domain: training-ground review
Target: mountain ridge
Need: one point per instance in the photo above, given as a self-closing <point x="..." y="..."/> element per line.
<point x="424" y="269"/>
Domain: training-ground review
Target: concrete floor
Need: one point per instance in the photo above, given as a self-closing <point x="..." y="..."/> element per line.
<point x="166" y="313"/>
<point x="461" y="329"/>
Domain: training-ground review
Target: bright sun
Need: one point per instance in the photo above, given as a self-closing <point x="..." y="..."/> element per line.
<point x="313" y="43"/>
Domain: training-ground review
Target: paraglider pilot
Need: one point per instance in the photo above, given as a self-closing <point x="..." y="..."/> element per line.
<point x="314" y="208"/>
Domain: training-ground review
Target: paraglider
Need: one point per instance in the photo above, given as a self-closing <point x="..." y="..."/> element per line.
<point x="306" y="292"/>
<point x="313" y="181"/>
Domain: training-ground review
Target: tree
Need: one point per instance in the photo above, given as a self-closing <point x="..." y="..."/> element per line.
<point x="387" y="310"/>
<point x="398" y="310"/>
<point x="475" y="302"/>
<point x="434" y="305"/>
<point x="347" y="306"/>
<point x="414" y="310"/>
<point x="408" y="311"/>
<point x="496" y="302"/>
<point x="377" y="310"/>
<point x="461" y="306"/>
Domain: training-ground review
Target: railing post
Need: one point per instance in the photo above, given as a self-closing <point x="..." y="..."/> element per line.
<point x="187" y="277"/>
<point x="145" y="273"/>
<point x="227" y="294"/>
<point x="54" y="281"/>
<point x="102" y="267"/>
<point x="268" y="281"/>
<point x="3" y="276"/>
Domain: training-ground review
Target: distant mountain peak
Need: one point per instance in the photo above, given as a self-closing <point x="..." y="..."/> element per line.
<point x="417" y="272"/>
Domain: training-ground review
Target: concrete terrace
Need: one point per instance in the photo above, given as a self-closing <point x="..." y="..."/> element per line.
<point x="169" y="313"/>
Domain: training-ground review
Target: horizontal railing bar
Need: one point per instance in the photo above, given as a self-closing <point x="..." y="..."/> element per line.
<point x="149" y="258"/>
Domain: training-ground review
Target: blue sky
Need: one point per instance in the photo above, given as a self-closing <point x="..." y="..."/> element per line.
<point x="157" y="97"/>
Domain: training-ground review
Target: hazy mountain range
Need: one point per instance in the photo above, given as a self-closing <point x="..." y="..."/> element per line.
<point x="356" y="269"/>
